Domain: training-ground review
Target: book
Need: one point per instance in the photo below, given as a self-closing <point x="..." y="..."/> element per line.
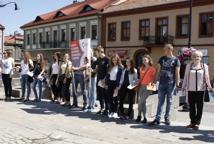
<point x="134" y="84"/>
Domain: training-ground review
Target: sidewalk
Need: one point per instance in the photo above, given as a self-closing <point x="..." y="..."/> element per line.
<point x="46" y="122"/>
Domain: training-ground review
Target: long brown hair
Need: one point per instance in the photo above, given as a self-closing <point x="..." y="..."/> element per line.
<point x="149" y="58"/>
<point x="119" y="63"/>
<point x="9" y="53"/>
<point x="58" y="55"/>
<point x="41" y="60"/>
<point x="132" y="65"/>
<point x="26" y="56"/>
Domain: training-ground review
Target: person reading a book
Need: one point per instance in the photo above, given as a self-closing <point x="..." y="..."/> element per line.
<point x="129" y="76"/>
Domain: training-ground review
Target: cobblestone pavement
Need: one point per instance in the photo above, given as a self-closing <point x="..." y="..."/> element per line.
<point x="47" y="123"/>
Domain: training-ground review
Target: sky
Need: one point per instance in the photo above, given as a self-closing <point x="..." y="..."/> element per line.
<point x="28" y="10"/>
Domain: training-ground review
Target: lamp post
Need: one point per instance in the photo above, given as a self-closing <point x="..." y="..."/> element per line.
<point x="1" y="41"/>
<point x="16" y="6"/>
<point x="190" y="23"/>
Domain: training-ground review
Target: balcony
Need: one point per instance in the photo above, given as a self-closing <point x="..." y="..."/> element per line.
<point x="158" y="40"/>
<point x="54" y="44"/>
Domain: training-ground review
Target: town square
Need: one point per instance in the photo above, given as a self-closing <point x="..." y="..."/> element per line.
<point x="106" y="71"/>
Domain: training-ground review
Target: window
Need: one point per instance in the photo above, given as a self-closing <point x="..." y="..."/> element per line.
<point x="47" y="37"/>
<point x="28" y="39"/>
<point x="205" y="58"/>
<point x="55" y="35"/>
<point x="125" y="30"/>
<point x="40" y="37"/>
<point x="206" y="24"/>
<point x="63" y="35"/>
<point x="82" y="33"/>
<point x="72" y="34"/>
<point x="112" y="32"/>
<point x="182" y="26"/>
<point x="59" y="14"/>
<point x="94" y="32"/>
<point x="162" y="27"/>
<point x="87" y="8"/>
<point x="55" y="38"/>
<point x="34" y="38"/>
<point x="144" y="28"/>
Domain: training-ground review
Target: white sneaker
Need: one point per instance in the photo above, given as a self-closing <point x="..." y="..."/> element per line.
<point x="110" y="115"/>
<point x="115" y="115"/>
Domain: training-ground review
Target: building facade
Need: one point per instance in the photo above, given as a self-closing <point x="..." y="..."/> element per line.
<point x="14" y="43"/>
<point x="55" y="30"/>
<point x="135" y="27"/>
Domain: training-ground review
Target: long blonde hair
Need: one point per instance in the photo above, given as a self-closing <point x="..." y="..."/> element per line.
<point x="26" y="56"/>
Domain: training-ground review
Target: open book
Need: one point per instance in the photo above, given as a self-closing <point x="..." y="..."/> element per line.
<point x="134" y="84"/>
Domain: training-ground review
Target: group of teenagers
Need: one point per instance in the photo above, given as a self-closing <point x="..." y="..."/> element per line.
<point x="108" y="79"/>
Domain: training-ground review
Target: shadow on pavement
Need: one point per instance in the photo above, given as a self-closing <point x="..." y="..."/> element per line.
<point x="200" y="135"/>
<point x="49" y="108"/>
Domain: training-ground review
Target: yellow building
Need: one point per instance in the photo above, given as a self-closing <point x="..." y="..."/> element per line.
<point x="132" y="28"/>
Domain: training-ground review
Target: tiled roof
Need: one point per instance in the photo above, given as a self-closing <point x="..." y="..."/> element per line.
<point x="2" y="27"/>
<point x="133" y="4"/>
<point x="11" y="38"/>
<point x="71" y="11"/>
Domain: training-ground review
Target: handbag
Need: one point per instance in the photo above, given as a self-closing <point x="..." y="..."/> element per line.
<point x="11" y="74"/>
<point x="151" y="87"/>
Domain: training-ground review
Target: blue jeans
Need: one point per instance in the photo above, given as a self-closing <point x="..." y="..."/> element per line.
<point x="24" y="82"/>
<point x="165" y="91"/>
<point x="78" y="79"/>
<point x="93" y="91"/>
<point x="35" y="81"/>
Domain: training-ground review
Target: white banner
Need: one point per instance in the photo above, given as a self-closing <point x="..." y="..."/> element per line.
<point x="80" y="49"/>
<point x="1" y="43"/>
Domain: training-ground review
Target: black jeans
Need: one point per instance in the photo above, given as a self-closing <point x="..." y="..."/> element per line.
<point x="196" y="102"/>
<point x="60" y="90"/>
<point x="54" y="86"/>
<point x="113" y="99"/>
<point x="124" y="91"/>
<point x="103" y="97"/>
<point x="66" y="90"/>
<point x="7" y="85"/>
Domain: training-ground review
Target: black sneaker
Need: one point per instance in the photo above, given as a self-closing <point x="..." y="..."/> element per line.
<point x="105" y="112"/>
<point x="154" y="122"/>
<point x="138" y="119"/>
<point x="26" y="100"/>
<point x="99" y="112"/>
<point x="167" y="122"/>
<point x="122" y="117"/>
<point x="73" y="106"/>
<point x="144" y="121"/>
<point x="84" y="108"/>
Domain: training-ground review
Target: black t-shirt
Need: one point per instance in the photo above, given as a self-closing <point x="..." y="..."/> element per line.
<point x="102" y="70"/>
<point x="93" y="66"/>
<point x="37" y="69"/>
<point x="168" y="68"/>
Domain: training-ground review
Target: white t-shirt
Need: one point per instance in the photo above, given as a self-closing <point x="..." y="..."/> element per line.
<point x="55" y="68"/>
<point x="25" y="67"/>
<point x="7" y="65"/>
<point x="113" y="73"/>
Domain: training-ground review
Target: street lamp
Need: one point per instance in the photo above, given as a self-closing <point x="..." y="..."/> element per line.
<point x="190" y="23"/>
<point x="1" y="40"/>
<point x="16" y="6"/>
